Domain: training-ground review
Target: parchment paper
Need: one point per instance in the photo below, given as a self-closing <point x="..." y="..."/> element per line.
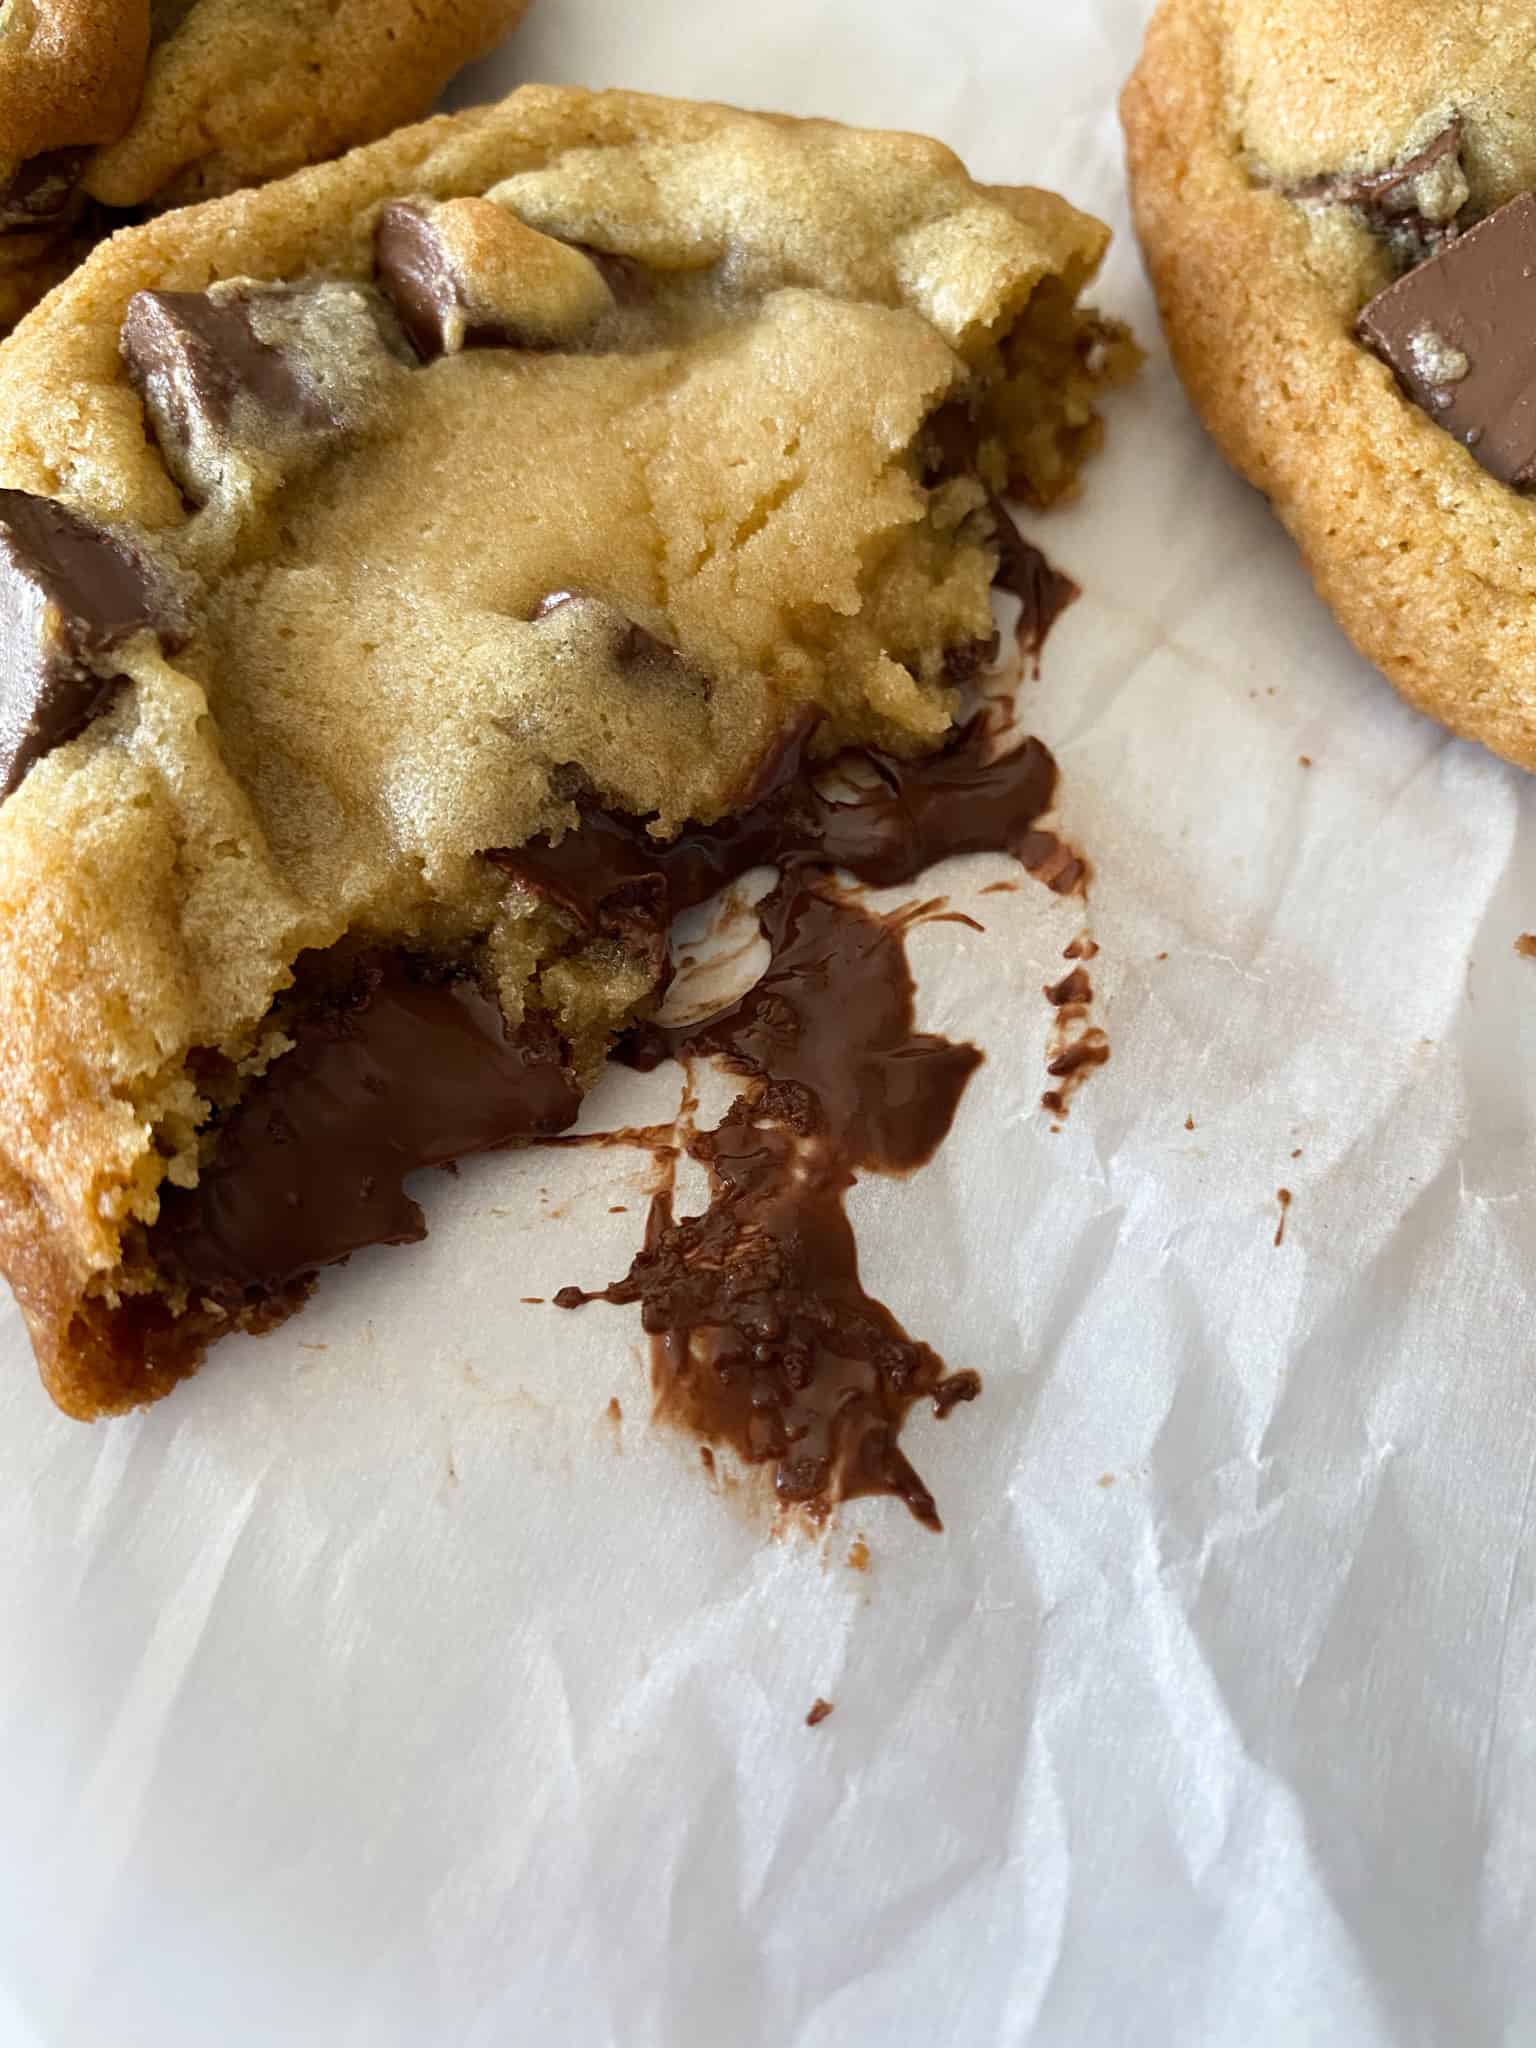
<point x="379" y="1689"/>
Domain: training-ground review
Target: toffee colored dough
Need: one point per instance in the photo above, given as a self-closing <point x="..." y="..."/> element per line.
<point x="431" y="604"/>
<point x="1261" y="134"/>
<point x="108" y="107"/>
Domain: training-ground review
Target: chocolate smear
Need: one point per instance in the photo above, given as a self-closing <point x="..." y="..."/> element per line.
<point x="763" y="1336"/>
<point x="1419" y="204"/>
<point x="400" y="1069"/>
<point x="1460" y="333"/>
<point x="72" y="594"/>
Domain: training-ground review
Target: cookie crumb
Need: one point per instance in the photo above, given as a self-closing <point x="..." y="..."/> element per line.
<point x="1283" y="1197"/>
<point x="1189" y="1123"/>
<point x="1525" y="945"/>
<point x="858" y="1555"/>
<point x="1303" y="760"/>
<point x="818" y="1713"/>
<point x="1106" y="1479"/>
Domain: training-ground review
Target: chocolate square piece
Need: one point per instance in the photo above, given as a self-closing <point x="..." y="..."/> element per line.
<point x="1460" y="331"/>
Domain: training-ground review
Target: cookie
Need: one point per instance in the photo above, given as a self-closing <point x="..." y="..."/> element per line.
<point x="577" y="455"/>
<point x="1333" y="205"/>
<point x="111" y="108"/>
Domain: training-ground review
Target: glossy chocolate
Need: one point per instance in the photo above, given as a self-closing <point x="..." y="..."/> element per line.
<point x="399" y="1070"/>
<point x="72" y="594"/>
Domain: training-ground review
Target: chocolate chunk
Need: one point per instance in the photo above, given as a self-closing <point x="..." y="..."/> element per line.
<point x="403" y="1071"/>
<point x="71" y="594"/>
<point x="211" y="383"/>
<point x="43" y="192"/>
<point x="1460" y="331"/>
<point x="416" y="276"/>
<point x="470" y="274"/>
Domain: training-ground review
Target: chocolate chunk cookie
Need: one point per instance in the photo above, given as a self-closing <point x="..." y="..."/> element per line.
<point x="1336" y="206"/>
<point x="112" y="108"/>
<point x="575" y="456"/>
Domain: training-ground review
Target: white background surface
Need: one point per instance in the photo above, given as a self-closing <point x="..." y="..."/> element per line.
<point x="376" y="1690"/>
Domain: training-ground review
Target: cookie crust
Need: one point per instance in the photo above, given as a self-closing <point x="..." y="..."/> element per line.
<point x="1426" y="560"/>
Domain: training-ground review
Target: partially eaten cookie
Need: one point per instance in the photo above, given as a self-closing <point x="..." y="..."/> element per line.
<point x="556" y="463"/>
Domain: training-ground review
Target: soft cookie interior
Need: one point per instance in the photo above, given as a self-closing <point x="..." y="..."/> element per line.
<point x="570" y="459"/>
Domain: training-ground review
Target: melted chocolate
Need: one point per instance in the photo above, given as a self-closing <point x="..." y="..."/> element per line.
<point x="397" y="1072"/>
<point x="611" y="872"/>
<point x="1042" y="590"/>
<point x="763" y="1335"/>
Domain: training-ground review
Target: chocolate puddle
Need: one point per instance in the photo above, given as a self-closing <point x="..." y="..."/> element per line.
<point x="762" y="1334"/>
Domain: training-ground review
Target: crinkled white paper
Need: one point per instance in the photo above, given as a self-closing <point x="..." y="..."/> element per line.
<point x="380" y="1691"/>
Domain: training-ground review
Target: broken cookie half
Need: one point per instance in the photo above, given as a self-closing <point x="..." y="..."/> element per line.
<point x="382" y="574"/>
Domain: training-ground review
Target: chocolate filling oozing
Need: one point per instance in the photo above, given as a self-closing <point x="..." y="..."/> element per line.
<point x="1042" y="590"/>
<point x="763" y="1335"/>
<point x="71" y="595"/>
<point x="1460" y="333"/>
<point x="916" y="813"/>
<point x="401" y="1070"/>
